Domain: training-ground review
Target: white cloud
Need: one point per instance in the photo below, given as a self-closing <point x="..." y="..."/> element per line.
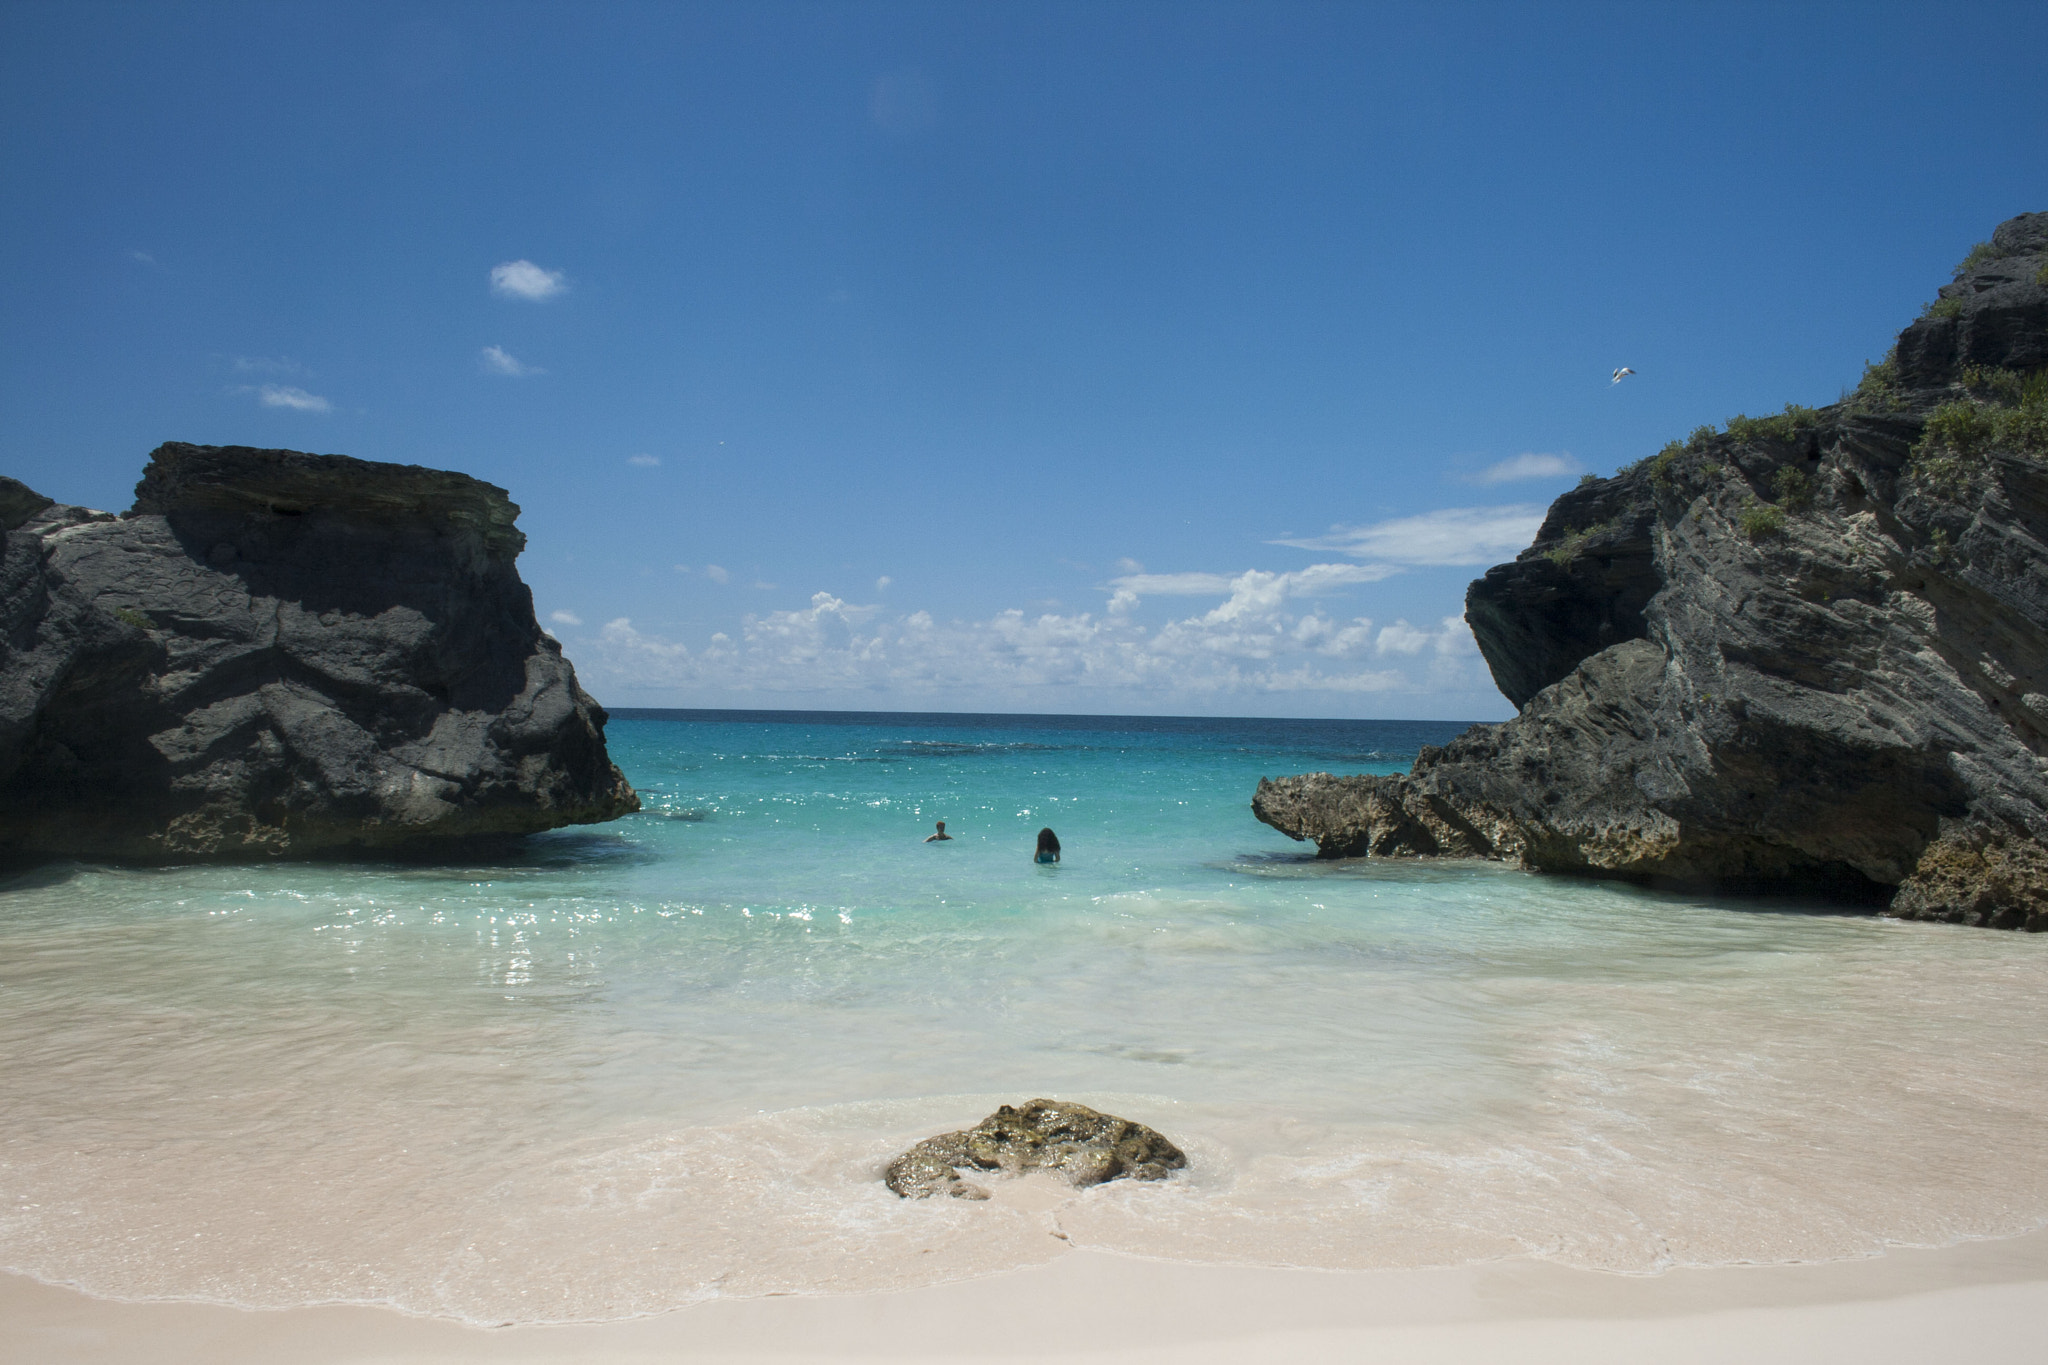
<point x="497" y="360"/>
<point x="716" y="574"/>
<point x="1128" y="565"/>
<point x="141" y="258"/>
<point x="1252" y="642"/>
<point x="1452" y="535"/>
<point x="285" y="396"/>
<point x="1527" y="466"/>
<point x="883" y="582"/>
<point x="565" y="618"/>
<point x="644" y="461"/>
<point x="525" y="280"/>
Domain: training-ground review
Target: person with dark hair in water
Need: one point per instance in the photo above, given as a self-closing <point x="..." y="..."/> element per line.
<point x="941" y="837"/>
<point x="1048" y="847"/>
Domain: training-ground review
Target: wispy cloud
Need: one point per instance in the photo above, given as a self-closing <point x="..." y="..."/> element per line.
<point x="141" y="258"/>
<point x="644" y="461"/>
<point x="497" y="360"/>
<point x="1254" y="588"/>
<point x="525" y="280"/>
<point x="716" y="574"/>
<point x="286" y="396"/>
<point x="1173" y="584"/>
<point x="565" y="618"/>
<point x="263" y="364"/>
<point x="1527" y="466"/>
<point x="1451" y="535"/>
<point x="882" y="583"/>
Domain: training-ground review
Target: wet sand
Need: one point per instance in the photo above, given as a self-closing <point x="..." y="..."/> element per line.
<point x="1980" y="1301"/>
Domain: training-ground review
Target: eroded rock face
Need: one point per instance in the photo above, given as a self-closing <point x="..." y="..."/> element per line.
<point x="1809" y="653"/>
<point x="282" y="654"/>
<point x="1082" y="1144"/>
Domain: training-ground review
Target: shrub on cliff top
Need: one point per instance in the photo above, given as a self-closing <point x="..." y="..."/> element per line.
<point x="1784" y="426"/>
<point x="1879" y="389"/>
<point x="1943" y="308"/>
<point x="1979" y="254"/>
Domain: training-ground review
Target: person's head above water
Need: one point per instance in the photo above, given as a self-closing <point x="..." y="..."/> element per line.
<point x="1048" y="844"/>
<point x="934" y="838"/>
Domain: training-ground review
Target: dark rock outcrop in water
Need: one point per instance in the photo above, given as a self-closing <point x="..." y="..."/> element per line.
<point x="1809" y="652"/>
<point x="280" y="654"/>
<point x="1085" y="1145"/>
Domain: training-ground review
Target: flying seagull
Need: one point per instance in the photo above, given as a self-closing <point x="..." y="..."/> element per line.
<point x="1622" y="374"/>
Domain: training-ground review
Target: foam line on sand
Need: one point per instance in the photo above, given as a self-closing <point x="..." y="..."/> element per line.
<point x="1981" y="1301"/>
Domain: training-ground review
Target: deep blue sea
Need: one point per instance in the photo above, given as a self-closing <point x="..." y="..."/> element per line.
<point x="653" y="1062"/>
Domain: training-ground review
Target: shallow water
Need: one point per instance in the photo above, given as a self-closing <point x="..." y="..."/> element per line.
<point x="666" y="1060"/>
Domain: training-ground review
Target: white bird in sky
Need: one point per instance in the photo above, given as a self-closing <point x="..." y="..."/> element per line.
<point x="1622" y="373"/>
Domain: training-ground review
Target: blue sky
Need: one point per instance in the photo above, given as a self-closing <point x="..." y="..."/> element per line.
<point x="1088" y="358"/>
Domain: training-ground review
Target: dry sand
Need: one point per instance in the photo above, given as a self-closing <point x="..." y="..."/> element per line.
<point x="1982" y="1302"/>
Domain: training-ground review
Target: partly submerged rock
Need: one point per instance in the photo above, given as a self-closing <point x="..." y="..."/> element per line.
<point x="282" y="654"/>
<point x="1805" y="653"/>
<point x="1082" y="1144"/>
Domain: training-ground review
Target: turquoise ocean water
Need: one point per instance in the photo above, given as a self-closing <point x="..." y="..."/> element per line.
<point x="662" y="1060"/>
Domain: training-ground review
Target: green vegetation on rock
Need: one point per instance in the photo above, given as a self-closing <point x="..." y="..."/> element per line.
<point x="1760" y="520"/>
<point x="1879" y="389"/>
<point x="1980" y="253"/>
<point x="1567" y="549"/>
<point x="1943" y="308"/>
<point x="1783" y="427"/>
<point x="2007" y="411"/>
<point x="1794" y="488"/>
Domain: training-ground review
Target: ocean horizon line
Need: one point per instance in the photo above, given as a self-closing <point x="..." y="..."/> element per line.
<point x="774" y="715"/>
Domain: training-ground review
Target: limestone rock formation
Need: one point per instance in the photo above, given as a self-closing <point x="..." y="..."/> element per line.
<point x="1807" y="652"/>
<point x="281" y="654"/>
<point x="1082" y="1144"/>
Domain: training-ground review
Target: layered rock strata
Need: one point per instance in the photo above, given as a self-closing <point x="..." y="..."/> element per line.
<point x="1805" y="652"/>
<point x="281" y="654"/>
<point x="1085" y="1146"/>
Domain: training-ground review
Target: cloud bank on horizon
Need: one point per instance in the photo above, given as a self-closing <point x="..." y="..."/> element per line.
<point x="1258" y="641"/>
<point x="1246" y="648"/>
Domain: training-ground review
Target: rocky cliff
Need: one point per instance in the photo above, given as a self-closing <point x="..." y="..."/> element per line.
<point x="1801" y="652"/>
<point x="281" y="654"/>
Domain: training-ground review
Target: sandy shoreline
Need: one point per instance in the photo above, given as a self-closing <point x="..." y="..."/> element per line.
<point x="1983" y="1301"/>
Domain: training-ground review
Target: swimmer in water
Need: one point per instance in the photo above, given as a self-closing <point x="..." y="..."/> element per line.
<point x="940" y="837"/>
<point x="1048" y="847"/>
